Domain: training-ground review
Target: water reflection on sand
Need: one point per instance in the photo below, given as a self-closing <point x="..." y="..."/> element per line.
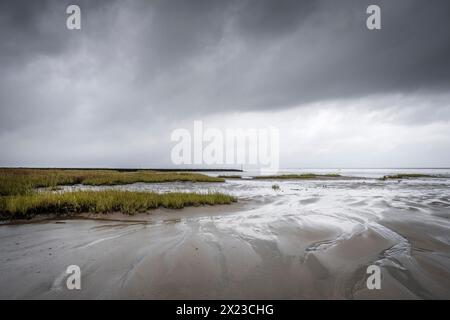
<point x="310" y="239"/>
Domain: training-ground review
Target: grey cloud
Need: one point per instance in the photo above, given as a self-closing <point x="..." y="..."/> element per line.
<point x="312" y="50"/>
<point x="137" y="62"/>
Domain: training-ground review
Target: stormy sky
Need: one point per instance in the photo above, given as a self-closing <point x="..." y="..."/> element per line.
<point x="110" y="94"/>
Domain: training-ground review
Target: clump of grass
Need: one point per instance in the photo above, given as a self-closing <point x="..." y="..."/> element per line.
<point x="30" y="205"/>
<point x="230" y="176"/>
<point x="275" y="187"/>
<point x="24" y="181"/>
<point x="147" y="177"/>
<point x="406" y="176"/>
<point x="304" y="176"/>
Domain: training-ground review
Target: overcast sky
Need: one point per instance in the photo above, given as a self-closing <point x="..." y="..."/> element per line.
<point x="110" y="94"/>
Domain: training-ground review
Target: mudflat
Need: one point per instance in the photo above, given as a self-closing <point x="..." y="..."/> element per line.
<point x="306" y="240"/>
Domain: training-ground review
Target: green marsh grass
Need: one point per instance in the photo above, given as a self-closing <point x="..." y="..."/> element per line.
<point x="24" y="181"/>
<point x="407" y="176"/>
<point x="303" y="176"/>
<point x="19" y="198"/>
<point x="232" y="176"/>
<point x="128" y="202"/>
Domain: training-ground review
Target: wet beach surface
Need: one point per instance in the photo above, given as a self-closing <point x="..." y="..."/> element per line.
<point x="310" y="239"/>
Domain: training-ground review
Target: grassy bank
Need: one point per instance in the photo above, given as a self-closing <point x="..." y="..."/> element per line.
<point x="30" y="205"/>
<point x="232" y="176"/>
<point x="24" y="181"/>
<point x="407" y="176"/>
<point x="303" y="176"/>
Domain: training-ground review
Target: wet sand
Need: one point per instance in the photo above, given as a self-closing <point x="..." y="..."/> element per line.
<point x="307" y="241"/>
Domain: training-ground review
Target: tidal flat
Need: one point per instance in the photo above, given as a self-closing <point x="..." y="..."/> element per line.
<point x="306" y="239"/>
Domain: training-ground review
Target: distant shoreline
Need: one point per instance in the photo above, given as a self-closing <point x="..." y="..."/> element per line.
<point x="129" y="169"/>
<point x="225" y="170"/>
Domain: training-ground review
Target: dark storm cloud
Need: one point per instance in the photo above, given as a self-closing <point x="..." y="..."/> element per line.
<point x="267" y="18"/>
<point x="240" y="54"/>
<point x="149" y="64"/>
